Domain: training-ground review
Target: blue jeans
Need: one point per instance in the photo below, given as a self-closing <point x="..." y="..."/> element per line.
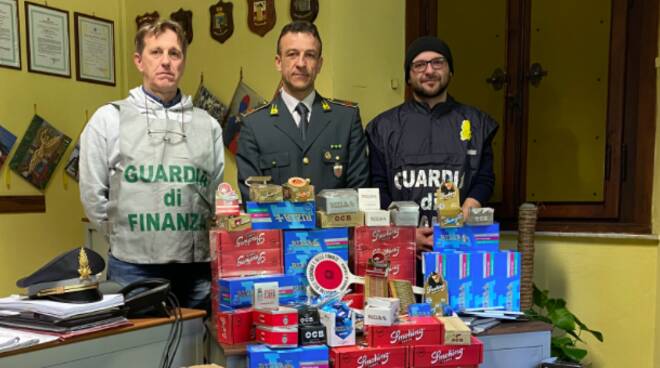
<point x="190" y="282"/>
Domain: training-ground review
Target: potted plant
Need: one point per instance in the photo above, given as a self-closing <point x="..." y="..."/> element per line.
<point x="567" y="328"/>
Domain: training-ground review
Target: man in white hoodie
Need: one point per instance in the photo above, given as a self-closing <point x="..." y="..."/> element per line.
<point x="149" y="167"/>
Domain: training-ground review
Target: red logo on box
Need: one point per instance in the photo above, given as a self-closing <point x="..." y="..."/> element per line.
<point x="447" y="355"/>
<point x="366" y="357"/>
<point x="415" y="331"/>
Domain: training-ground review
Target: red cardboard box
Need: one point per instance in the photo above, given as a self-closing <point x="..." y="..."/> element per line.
<point x="235" y="327"/>
<point x="366" y="357"/>
<point x="246" y="263"/>
<point x="397" y="243"/>
<point x="278" y="337"/>
<point x="225" y="241"/>
<point x="245" y="253"/>
<point x="411" y="331"/>
<point x="447" y="355"/>
<point x="280" y="317"/>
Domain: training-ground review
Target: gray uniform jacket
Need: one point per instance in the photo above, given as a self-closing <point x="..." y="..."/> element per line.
<point x="333" y="155"/>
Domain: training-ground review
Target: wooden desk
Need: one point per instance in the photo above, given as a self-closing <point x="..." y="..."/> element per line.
<point x="140" y="345"/>
<point x="516" y="344"/>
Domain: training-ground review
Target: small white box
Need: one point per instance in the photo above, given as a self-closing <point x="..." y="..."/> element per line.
<point x="266" y="295"/>
<point x="368" y="199"/>
<point x="381" y="302"/>
<point x="377" y="218"/>
<point x="328" y="320"/>
<point x="377" y="316"/>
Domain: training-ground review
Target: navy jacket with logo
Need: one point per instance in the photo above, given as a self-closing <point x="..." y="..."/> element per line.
<point x="413" y="149"/>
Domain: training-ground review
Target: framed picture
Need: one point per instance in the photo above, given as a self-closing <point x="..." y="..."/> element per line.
<point x="95" y="49"/>
<point x="48" y="40"/>
<point x="10" y="39"/>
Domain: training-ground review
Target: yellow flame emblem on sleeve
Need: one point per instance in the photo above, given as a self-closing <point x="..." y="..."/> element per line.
<point x="466" y="131"/>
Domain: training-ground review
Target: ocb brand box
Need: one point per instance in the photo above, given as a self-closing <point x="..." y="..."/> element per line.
<point x="325" y="220"/>
<point x="447" y="355"/>
<point x="413" y="331"/>
<point x="311" y="335"/>
<point x="369" y="357"/>
<point x="456" y="332"/>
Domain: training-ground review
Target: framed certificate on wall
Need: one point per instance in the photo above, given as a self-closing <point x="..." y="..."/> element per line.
<point x="95" y="49"/>
<point x="10" y="40"/>
<point x="48" y="40"/>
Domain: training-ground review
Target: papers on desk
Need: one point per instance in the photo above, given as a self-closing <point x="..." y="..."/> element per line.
<point x="11" y="339"/>
<point x="57" y="309"/>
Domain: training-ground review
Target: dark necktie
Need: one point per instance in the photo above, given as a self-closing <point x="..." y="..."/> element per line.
<point x="301" y="109"/>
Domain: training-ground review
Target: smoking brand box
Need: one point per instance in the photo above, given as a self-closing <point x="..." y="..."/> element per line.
<point x="234" y="327"/>
<point x="411" y="331"/>
<point x="369" y="357"/>
<point x="245" y="253"/>
<point x="282" y="215"/>
<point x="447" y="355"/>
<point x="237" y="292"/>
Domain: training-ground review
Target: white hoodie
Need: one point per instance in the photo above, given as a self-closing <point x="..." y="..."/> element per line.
<point x="99" y="150"/>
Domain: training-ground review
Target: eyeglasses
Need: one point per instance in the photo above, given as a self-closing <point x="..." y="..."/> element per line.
<point x="166" y="133"/>
<point x="436" y="64"/>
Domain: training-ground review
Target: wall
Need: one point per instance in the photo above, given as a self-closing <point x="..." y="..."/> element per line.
<point x="356" y="65"/>
<point x="27" y="241"/>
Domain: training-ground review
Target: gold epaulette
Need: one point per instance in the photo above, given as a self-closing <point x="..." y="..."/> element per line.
<point x="343" y="102"/>
<point x="250" y="112"/>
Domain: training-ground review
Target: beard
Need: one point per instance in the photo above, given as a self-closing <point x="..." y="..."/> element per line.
<point x="420" y="91"/>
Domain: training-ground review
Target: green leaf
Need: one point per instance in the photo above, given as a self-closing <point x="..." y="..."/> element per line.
<point x="574" y="354"/>
<point x="563" y="319"/>
<point x="597" y="334"/>
<point x="540" y="297"/>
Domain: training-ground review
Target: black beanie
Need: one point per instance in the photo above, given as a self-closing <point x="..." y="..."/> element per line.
<point x="427" y="43"/>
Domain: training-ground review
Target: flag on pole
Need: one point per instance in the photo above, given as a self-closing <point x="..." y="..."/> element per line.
<point x="245" y="100"/>
<point x="206" y="100"/>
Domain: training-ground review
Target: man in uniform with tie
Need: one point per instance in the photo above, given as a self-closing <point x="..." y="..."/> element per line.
<point x="301" y="133"/>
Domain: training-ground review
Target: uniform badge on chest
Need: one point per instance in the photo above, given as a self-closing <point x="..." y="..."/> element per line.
<point x="338" y="169"/>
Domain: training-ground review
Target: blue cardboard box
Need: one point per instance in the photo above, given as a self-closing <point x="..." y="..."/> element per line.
<point x="259" y="356"/>
<point x="486" y="265"/>
<point x="456" y="269"/>
<point x="282" y="215"/>
<point x="507" y="285"/>
<point x="237" y="292"/>
<point x="301" y="245"/>
<point x="467" y="238"/>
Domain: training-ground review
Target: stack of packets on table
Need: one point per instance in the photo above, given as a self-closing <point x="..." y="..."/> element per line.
<point x="268" y="208"/>
<point x="468" y="258"/>
<point x="227" y="209"/>
<point x="396" y="243"/>
<point x="409" y="342"/>
<point x="338" y="208"/>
